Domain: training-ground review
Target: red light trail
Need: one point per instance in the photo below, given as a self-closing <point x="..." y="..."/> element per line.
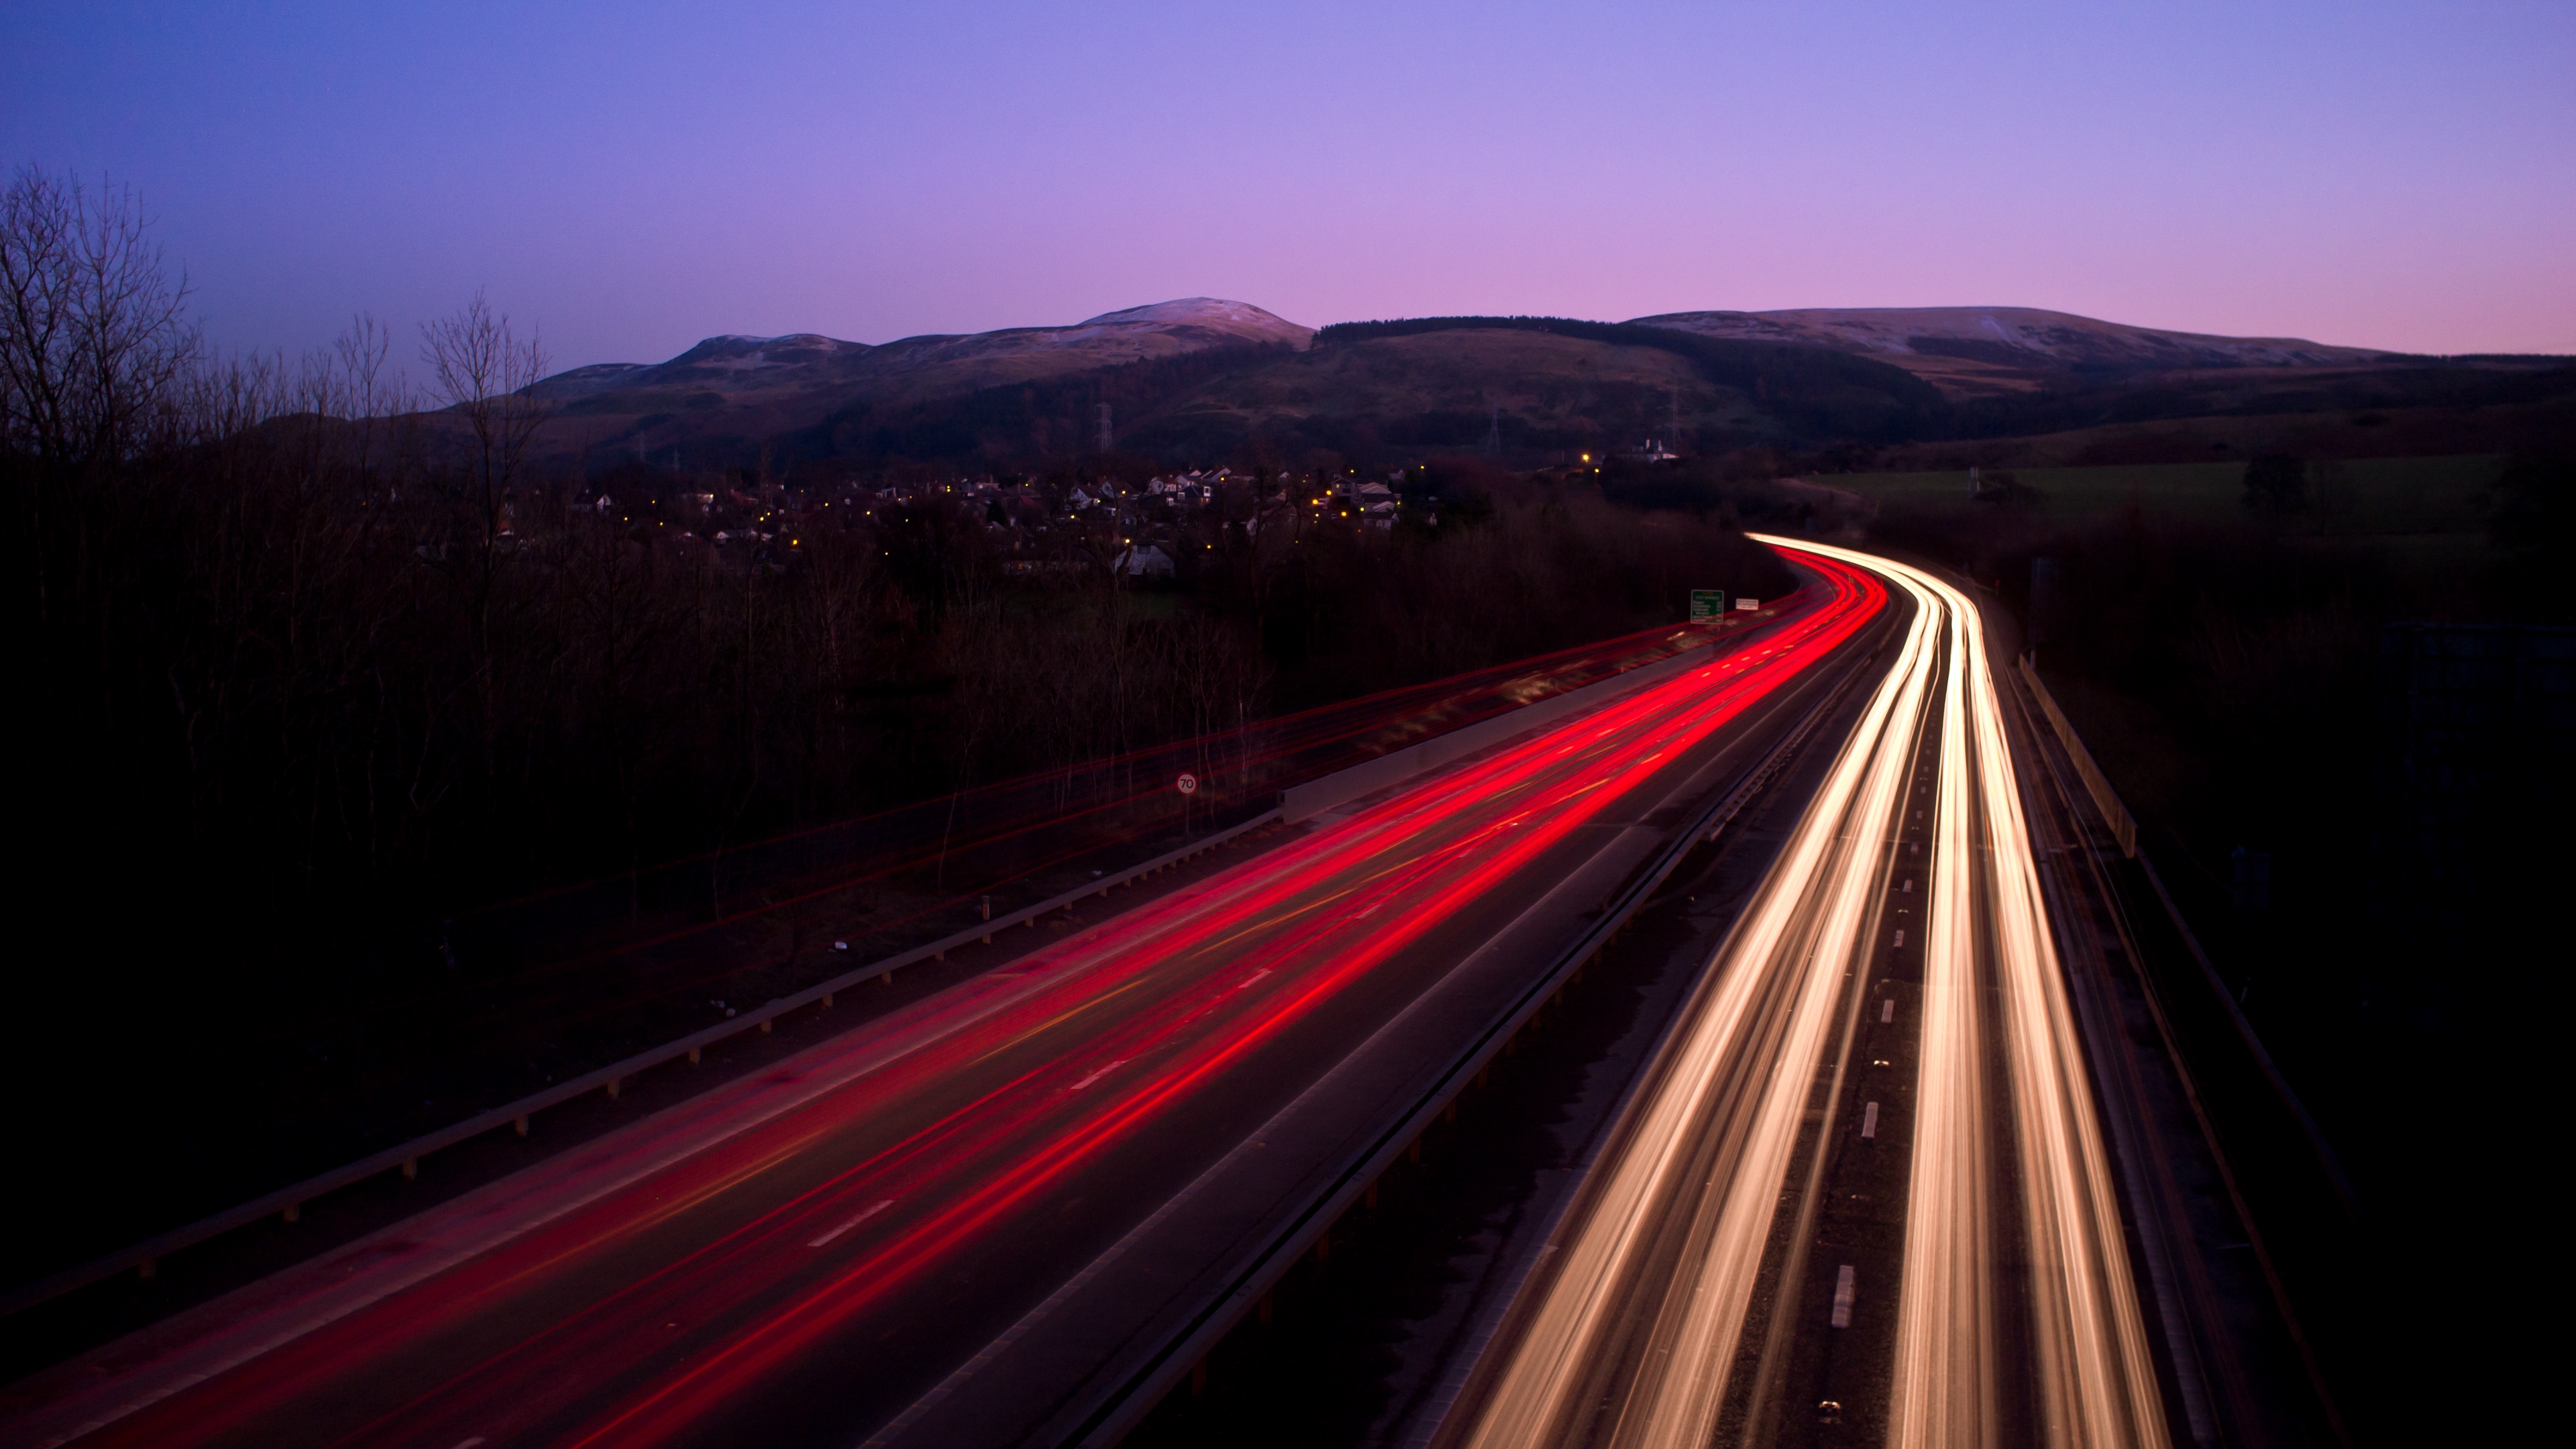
<point x="670" y="1304"/>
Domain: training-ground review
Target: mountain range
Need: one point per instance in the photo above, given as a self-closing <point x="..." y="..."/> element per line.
<point x="1204" y="378"/>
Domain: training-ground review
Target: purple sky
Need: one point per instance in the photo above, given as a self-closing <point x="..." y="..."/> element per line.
<point x="636" y="176"/>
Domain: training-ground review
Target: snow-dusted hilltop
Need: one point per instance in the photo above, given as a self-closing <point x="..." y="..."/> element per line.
<point x="931" y="364"/>
<point x="2010" y="337"/>
<point x="1237" y="319"/>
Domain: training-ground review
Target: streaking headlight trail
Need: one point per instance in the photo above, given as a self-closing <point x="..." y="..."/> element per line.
<point x="1637" y="1336"/>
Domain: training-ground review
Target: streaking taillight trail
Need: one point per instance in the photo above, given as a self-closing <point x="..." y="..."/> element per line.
<point x="664" y="1305"/>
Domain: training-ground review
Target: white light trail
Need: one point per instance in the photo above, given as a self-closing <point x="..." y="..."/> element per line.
<point x="1631" y="1343"/>
<point x="2090" y="1357"/>
<point x="1944" y="1392"/>
<point x="1802" y="931"/>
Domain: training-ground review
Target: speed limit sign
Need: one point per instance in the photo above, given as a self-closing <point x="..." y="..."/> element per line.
<point x="1189" y="784"/>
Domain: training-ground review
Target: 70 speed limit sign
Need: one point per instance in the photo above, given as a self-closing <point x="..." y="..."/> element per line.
<point x="1189" y="784"/>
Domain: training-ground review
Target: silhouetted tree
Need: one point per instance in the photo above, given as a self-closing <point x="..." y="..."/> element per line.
<point x="93" y="333"/>
<point x="2276" y="484"/>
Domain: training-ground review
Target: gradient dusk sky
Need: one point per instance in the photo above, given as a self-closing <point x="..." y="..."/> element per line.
<point x="636" y="176"/>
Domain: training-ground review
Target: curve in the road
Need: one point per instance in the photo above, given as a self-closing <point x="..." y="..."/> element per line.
<point x="1636" y="1335"/>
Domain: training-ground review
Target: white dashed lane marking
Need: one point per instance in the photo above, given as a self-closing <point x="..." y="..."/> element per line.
<point x="865" y="1213"/>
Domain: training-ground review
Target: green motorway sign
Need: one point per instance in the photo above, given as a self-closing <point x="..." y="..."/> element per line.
<point x="1708" y="603"/>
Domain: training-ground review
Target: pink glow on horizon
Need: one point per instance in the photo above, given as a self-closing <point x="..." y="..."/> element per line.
<point x="2370" y="174"/>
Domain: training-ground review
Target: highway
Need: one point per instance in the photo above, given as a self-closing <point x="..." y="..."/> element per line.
<point x="958" y="1224"/>
<point x="1862" y="1195"/>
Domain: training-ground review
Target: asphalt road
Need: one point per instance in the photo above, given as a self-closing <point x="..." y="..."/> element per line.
<point x="1865" y="1193"/>
<point x="964" y="1223"/>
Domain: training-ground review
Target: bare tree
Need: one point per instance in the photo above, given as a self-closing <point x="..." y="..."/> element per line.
<point x="369" y="399"/>
<point x="94" y="334"/>
<point x="484" y="372"/>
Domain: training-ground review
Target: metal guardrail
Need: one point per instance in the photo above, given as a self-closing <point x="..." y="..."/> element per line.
<point x="2182" y="1058"/>
<point x="288" y="1202"/>
<point x="2124" y="827"/>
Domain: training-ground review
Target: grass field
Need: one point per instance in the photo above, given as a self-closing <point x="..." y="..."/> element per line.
<point x="2369" y="497"/>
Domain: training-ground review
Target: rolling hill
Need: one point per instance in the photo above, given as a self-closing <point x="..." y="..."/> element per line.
<point x="929" y="366"/>
<point x="1984" y="351"/>
<point x="1207" y="380"/>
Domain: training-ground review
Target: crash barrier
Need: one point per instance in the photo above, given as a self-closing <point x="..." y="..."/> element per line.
<point x="288" y="1203"/>
<point x="2124" y="828"/>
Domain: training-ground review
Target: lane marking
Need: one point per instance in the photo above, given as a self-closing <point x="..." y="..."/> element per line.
<point x="865" y="1213"/>
<point x="1900" y="938"/>
<point x="1096" y="1076"/>
<point x="1887" y="1009"/>
<point x="1869" y="1120"/>
<point x="1843" y="1297"/>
